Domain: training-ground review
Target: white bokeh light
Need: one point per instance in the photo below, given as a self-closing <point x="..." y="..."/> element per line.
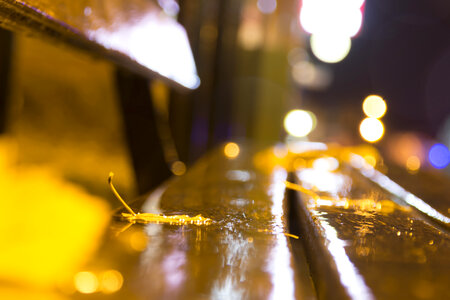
<point x="331" y="17"/>
<point x="371" y="129"/>
<point x="330" y="48"/>
<point x="299" y="123"/>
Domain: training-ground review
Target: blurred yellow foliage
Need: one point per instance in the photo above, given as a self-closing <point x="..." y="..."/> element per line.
<point x="49" y="227"/>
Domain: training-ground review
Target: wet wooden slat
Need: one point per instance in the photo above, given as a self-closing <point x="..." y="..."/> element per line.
<point x="366" y="242"/>
<point x="243" y="254"/>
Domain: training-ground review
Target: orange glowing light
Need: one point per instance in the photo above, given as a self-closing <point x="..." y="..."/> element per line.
<point x="178" y="168"/>
<point x="111" y="281"/>
<point x="371" y="160"/>
<point x="413" y="164"/>
<point x="138" y="241"/>
<point x="231" y="150"/>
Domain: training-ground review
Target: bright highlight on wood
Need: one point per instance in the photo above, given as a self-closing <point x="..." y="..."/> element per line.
<point x="297" y="187"/>
<point x="145" y="218"/>
<point x="284" y="233"/>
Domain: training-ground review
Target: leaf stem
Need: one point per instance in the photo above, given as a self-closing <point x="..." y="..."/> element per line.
<point x="111" y="175"/>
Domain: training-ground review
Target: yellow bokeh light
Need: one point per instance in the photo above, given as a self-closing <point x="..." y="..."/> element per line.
<point x="374" y="106"/>
<point x="138" y="241"/>
<point x="371" y="129"/>
<point x="86" y="282"/>
<point x="371" y="160"/>
<point x="299" y="123"/>
<point x="178" y="168"/>
<point x="231" y="150"/>
<point x="413" y="164"/>
<point x="111" y="281"/>
<point x="330" y="48"/>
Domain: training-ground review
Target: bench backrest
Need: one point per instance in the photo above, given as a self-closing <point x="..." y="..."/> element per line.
<point x="134" y="34"/>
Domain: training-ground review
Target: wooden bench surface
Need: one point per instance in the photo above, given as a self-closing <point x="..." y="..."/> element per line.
<point x="134" y="34"/>
<point x="368" y="238"/>
<point x="361" y="241"/>
<point x="245" y="253"/>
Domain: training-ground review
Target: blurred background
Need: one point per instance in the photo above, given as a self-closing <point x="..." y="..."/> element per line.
<point x="258" y="60"/>
<point x="325" y="58"/>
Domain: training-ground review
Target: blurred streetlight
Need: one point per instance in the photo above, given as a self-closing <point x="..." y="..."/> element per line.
<point x="299" y="123"/>
<point x="371" y="129"/>
<point x="330" y="48"/>
<point x="374" y="106"/>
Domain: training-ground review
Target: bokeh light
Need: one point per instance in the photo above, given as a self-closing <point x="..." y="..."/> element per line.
<point x="413" y="164"/>
<point x="370" y="159"/>
<point x="401" y="146"/>
<point x="178" y="168"/>
<point x="330" y="48"/>
<point x="111" y="281"/>
<point x="310" y="75"/>
<point x="439" y="156"/>
<point x="374" y="106"/>
<point x="250" y="35"/>
<point x="138" y="240"/>
<point x="326" y="164"/>
<point x="86" y="282"/>
<point x="299" y="123"/>
<point x="170" y="7"/>
<point x="371" y="129"/>
<point x="267" y="6"/>
<point x="231" y="150"/>
<point x="333" y="17"/>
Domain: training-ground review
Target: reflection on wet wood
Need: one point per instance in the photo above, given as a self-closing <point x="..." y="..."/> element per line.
<point x="244" y="253"/>
<point x="365" y="243"/>
<point x="427" y="185"/>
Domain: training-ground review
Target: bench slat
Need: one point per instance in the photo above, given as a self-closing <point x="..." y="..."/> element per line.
<point x="246" y="253"/>
<point x="366" y="242"/>
<point x="243" y="254"/>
